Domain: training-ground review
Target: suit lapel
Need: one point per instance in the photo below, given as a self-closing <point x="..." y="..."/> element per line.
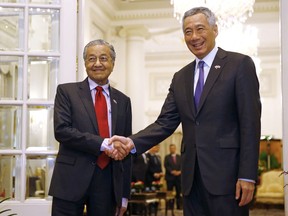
<point x="215" y="70"/>
<point x="114" y="108"/>
<point x="85" y="97"/>
<point x="190" y="88"/>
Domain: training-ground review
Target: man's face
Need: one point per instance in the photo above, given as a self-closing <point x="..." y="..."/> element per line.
<point x="98" y="63"/>
<point x="172" y="149"/>
<point x="199" y="35"/>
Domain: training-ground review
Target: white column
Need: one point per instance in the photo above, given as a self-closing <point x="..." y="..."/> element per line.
<point x="83" y="35"/>
<point x="136" y="75"/>
<point x="284" y="68"/>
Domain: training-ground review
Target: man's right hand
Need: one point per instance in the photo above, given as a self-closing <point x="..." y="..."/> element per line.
<point x="121" y="147"/>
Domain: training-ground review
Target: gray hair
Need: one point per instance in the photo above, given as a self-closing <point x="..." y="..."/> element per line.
<point x="211" y="18"/>
<point x="100" y="42"/>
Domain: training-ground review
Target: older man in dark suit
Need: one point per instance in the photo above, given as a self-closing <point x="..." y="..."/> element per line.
<point x="86" y="114"/>
<point x="216" y="99"/>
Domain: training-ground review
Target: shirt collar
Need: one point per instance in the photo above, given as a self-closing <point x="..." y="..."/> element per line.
<point x="93" y="85"/>
<point x="208" y="59"/>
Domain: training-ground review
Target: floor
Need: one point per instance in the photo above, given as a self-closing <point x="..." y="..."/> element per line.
<point x="258" y="211"/>
<point x="254" y="212"/>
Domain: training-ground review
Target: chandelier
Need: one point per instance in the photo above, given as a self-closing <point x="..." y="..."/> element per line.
<point x="231" y="16"/>
<point x="228" y="12"/>
<point x="247" y="41"/>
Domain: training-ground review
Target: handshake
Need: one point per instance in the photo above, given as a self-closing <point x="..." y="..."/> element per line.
<point x="119" y="147"/>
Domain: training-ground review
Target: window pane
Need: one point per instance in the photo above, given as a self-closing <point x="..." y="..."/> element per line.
<point x="7" y="176"/>
<point x="45" y="1"/>
<point x="42" y="76"/>
<point x="11" y="77"/>
<point x="39" y="171"/>
<point x="44" y="29"/>
<point x="11" y="20"/>
<point x="10" y="127"/>
<point x="40" y="133"/>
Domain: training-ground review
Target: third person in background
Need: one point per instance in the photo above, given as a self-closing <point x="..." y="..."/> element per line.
<point x="172" y="164"/>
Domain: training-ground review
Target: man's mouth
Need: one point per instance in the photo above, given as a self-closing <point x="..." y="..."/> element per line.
<point x="198" y="45"/>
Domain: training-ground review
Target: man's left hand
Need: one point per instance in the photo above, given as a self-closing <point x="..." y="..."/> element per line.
<point x="244" y="191"/>
<point x="120" y="211"/>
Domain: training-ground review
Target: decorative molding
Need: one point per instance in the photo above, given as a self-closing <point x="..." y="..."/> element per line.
<point x="143" y="14"/>
<point x="267" y="81"/>
<point x="159" y="83"/>
<point x="119" y="10"/>
<point x="266" y="6"/>
<point x="135" y="30"/>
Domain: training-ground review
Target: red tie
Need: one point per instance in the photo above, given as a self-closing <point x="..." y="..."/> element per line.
<point x="174" y="159"/>
<point x="102" y="119"/>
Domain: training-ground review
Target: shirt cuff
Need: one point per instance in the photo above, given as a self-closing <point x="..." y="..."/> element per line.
<point x="133" y="150"/>
<point x="105" y="146"/>
<point x="247" y="180"/>
<point x="124" y="202"/>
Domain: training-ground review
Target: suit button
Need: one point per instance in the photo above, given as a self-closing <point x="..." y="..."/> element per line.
<point x="93" y="163"/>
<point x="197" y="123"/>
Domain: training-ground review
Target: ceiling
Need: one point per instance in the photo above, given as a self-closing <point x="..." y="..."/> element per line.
<point x="155" y="4"/>
<point x="163" y="28"/>
<point x="140" y="4"/>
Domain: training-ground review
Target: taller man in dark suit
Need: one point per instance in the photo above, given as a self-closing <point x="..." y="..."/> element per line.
<point x="79" y="178"/>
<point x="221" y="128"/>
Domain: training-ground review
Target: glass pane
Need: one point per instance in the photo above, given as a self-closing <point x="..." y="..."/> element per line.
<point x="11" y="77"/>
<point x="44" y="29"/>
<point x="10" y="127"/>
<point x="45" y="1"/>
<point x="42" y="77"/>
<point x="40" y="134"/>
<point x="7" y="176"/>
<point x="11" y="21"/>
<point x="39" y="171"/>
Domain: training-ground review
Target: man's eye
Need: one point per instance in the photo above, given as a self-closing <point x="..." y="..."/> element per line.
<point x="103" y="58"/>
<point x="200" y="29"/>
<point x="91" y="59"/>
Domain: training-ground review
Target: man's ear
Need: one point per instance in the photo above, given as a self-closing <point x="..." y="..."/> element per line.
<point x="215" y="29"/>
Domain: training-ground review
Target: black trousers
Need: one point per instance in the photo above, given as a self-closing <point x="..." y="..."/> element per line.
<point x="99" y="198"/>
<point x="202" y="203"/>
<point x="177" y="184"/>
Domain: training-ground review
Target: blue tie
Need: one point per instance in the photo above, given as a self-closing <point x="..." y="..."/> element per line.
<point x="200" y="84"/>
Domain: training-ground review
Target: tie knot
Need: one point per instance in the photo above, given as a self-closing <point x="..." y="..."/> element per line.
<point x="99" y="88"/>
<point x="201" y="64"/>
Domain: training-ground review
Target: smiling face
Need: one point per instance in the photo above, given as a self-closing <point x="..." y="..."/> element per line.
<point x="199" y="35"/>
<point x="98" y="63"/>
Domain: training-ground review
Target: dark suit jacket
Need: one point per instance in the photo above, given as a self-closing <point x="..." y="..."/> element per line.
<point x="170" y="165"/>
<point x="154" y="166"/>
<point x="224" y="134"/>
<point x="139" y="168"/>
<point x="76" y="130"/>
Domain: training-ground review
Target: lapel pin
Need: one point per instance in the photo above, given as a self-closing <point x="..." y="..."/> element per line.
<point x="114" y="101"/>
<point x="217" y="66"/>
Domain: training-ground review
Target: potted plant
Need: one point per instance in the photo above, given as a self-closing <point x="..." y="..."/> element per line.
<point x="6" y="210"/>
<point x="137" y="186"/>
<point x="156" y="185"/>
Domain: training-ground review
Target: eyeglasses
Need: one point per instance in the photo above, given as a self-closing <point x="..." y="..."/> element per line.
<point x="102" y="59"/>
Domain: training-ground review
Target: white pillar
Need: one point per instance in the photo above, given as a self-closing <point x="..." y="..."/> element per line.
<point x="83" y="35"/>
<point x="136" y="75"/>
<point x="284" y="69"/>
